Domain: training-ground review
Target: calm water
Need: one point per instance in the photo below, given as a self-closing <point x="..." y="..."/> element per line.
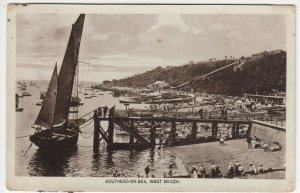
<point x="81" y="161"/>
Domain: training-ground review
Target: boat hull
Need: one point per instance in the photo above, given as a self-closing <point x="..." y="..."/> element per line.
<point x="130" y="101"/>
<point x="47" y="139"/>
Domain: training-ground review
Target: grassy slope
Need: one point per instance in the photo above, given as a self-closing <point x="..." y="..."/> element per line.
<point x="256" y="75"/>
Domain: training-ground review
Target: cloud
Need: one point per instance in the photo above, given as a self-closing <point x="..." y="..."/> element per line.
<point x="175" y="21"/>
<point x="132" y="43"/>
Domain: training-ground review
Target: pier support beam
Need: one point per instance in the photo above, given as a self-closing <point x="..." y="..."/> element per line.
<point x="110" y="131"/>
<point x="214" y="130"/>
<point x="237" y="128"/>
<point x="131" y="138"/>
<point x="249" y="129"/>
<point x="96" y="132"/>
<point x="194" y="131"/>
<point x="152" y="135"/>
<point x="233" y="131"/>
<point x="173" y="131"/>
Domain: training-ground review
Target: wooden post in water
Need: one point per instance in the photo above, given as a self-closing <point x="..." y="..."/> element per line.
<point x="194" y="131"/>
<point x="152" y="134"/>
<point x="110" y="131"/>
<point x="173" y="131"/>
<point x="96" y="132"/>
<point x="131" y="138"/>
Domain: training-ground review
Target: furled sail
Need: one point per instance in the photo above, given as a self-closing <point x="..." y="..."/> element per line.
<point x="46" y="115"/>
<point x="67" y="73"/>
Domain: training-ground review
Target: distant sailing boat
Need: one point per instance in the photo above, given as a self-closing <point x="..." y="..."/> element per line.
<point x="54" y="131"/>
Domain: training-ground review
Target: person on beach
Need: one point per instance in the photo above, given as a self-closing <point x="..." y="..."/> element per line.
<point x="218" y="171"/>
<point x="230" y="172"/>
<point x="201" y="113"/>
<point x="260" y="169"/>
<point x="202" y="171"/>
<point x="249" y="139"/>
<point x="116" y="174"/>
<point x="240" y="170"/>
<point x="105" y="111"/>
<point x="221" y="142"/>
<point x="194" y="172"/>
<point x="266" y="146"/>
<point x="147" y="171"/>
<point x="236" y="166"/>
<point x="170" y="170"/>
<point x="213" y="170"/>
<point x="252" y="169"/>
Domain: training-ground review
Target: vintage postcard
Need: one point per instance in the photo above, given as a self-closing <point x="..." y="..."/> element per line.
<point x="150" y="97"/>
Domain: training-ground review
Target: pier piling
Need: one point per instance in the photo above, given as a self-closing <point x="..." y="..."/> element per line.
<point x="152" y="135"/>
<point x="173" y="131"/>
<point x="194" y="131"/>
<point x="110" y="131"/>
<point x="131" y="138"/>
<point x="96" y="132"/>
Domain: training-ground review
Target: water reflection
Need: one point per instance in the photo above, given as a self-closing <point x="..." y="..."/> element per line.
<point x="96" y="162"/>
<point x="51" y="164"/>
<point x="151" y="156"/>
<point x="109" y="159"/>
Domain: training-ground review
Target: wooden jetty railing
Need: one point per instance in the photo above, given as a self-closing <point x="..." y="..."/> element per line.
<point x="139" y="139"/>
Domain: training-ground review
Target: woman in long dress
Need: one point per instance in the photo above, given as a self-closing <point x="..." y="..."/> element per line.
<point x="194" y="172"/>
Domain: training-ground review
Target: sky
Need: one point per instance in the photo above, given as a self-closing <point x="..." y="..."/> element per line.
<point x="118" y="46"/>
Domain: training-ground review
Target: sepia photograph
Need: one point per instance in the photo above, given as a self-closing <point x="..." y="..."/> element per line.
<point x="199" y="94"/>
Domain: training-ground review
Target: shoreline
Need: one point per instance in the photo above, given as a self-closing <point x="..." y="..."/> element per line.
<point x="233" y="150"/>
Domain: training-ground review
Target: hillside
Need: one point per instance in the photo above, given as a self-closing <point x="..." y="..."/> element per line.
<point x="261" y="73"/>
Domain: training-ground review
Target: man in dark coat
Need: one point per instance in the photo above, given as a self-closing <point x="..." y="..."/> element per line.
<point x="249" y="139"/>
<point x="105" y="111"/>
<point x="147" y="171"/>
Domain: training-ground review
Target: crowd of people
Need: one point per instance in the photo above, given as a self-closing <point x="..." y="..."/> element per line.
<point x="233" y="170"/>
<point x="103" y="111"/>
<point x="255" y="143"/>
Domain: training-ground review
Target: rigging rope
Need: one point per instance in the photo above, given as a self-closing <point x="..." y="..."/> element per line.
<point x="86" y="136"/>
<point x="88" y="122"/>
<point x="28" y="148"/>
<point x="87" y="131"/>
<point x="23" y="136"/>
<point x="84" y="145"/>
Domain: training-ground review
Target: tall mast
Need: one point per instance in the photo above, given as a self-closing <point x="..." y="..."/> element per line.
<point x="67" y="73"/>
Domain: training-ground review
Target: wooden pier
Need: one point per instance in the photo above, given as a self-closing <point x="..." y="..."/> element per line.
<point x="139" y="139"/>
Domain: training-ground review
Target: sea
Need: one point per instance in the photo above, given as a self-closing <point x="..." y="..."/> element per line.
<point x="81" y="161"/>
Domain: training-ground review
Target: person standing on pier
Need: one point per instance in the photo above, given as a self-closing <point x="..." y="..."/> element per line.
<point x="105" y="111"/>
<point x="147" y="171"/>
<point x="112" y="111"/>
<point x="100" y="111"/>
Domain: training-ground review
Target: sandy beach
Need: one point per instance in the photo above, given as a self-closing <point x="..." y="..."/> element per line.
<point x="233" y="150"/>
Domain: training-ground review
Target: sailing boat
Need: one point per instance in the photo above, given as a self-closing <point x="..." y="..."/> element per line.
<point x="53" y="129"/>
